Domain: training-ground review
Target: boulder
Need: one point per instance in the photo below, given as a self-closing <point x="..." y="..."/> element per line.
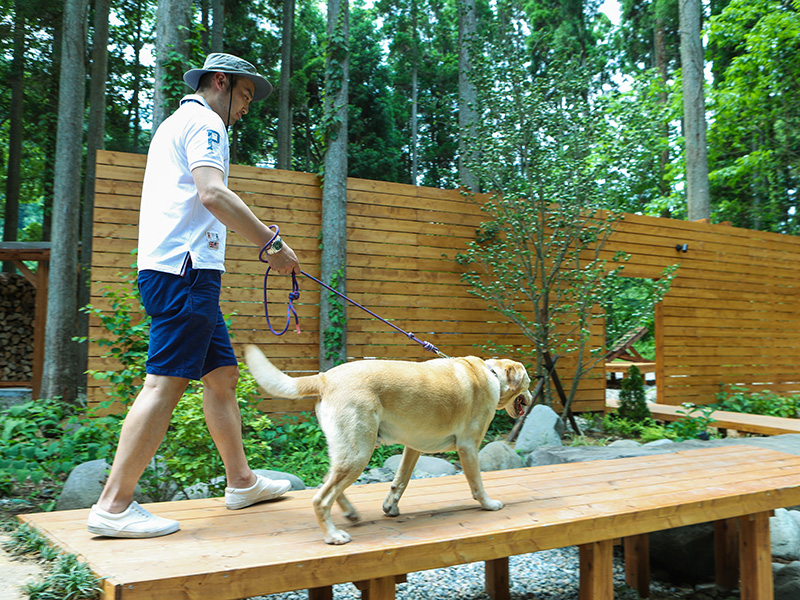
<point x="784" y="531"/>
<point x="542" y="427"/>
<point x="84" y="484"/>
<point x="498" y="456"/>
<point x="430" y="465"/>
<point x="786" y="581"/>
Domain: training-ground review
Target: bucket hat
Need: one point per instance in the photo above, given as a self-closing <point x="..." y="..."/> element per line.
<point x="220" y="62"/>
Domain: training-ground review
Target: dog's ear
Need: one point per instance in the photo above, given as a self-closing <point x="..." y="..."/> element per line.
<point x="515" y="375"/>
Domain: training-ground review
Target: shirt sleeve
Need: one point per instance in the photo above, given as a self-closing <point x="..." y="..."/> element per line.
<point x="206" y="144"/>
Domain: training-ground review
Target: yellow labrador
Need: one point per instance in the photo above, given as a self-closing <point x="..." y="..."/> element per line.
<point x="435" y="406"/>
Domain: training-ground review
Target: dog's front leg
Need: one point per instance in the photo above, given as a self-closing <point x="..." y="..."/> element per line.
<point x="472" y="470"/>
<point x="400" y="481"/>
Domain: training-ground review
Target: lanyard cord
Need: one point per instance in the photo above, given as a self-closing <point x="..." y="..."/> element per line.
<point x="295" y="294"/>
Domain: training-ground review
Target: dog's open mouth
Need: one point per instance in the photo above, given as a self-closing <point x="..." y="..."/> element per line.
<point x="519" y="405"/>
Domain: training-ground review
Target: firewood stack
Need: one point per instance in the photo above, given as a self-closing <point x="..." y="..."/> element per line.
<point x="17" y="307"/>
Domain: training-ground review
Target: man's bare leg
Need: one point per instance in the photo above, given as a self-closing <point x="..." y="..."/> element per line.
<point x="142" y="433"/>
<point x="224" y="422"/>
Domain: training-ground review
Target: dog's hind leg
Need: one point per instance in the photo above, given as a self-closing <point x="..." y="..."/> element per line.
<point x="350" y="450"/>
<point x="400" y="482"/>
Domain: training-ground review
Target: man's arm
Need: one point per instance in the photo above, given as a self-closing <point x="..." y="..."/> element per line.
<point x="232" y="212"/>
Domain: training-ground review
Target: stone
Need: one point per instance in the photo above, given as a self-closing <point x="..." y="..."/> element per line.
<point x="84" y="484"/>
<point x="784" y="529"/>
<point x="786" y="581"/>
<point x="542" y="427"/>
<point x="204" y="490"/>
<point x="684" y="554"/>
<point x="432" y="465"/>
<point x="498" y="456"/>
<point x="549" y="455"/>
<point x="624" y="444"/>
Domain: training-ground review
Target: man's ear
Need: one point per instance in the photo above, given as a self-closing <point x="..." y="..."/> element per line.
<point x="221" y="80"/>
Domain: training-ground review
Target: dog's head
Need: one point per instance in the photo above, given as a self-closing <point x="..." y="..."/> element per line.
<point x="514" y="384"/>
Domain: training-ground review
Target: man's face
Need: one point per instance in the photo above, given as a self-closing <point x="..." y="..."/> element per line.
<point x="242" y="96"/>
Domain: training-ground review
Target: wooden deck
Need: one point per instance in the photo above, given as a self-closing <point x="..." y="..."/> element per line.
<point x="723" y="419"/>
<point x="274" y="547"/>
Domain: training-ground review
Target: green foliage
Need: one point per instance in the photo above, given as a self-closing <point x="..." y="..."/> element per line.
<point x="43" y="441"/>
<point x="67" y="578"/>
<point x="128" y="327"/>
<point x="739" y="399"/>
<point x="695" y="424"/>
<point x="333" y="336"/>
<point x="644" y="430"/>
<point x="754" y="138"/>
<point x="629" y="303"/>
<point x="632" y="403"/>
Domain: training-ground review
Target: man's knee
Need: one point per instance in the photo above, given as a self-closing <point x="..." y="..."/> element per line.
<point x="222" y="378"/>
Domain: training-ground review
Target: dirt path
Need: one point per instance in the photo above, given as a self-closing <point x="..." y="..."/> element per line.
<point x="14" y="573"/>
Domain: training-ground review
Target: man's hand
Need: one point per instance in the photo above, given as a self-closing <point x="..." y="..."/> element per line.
<point x="284" y="262"/>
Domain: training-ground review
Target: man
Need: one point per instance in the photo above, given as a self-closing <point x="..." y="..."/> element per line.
<point x="185" y="209"/>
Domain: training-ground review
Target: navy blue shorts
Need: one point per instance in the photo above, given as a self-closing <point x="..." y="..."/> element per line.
<point x="188" y="336"/>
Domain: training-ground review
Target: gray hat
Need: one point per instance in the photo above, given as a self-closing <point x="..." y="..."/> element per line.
<point x="227" y="63"/>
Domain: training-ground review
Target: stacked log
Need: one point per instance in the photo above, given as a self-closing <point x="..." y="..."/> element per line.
<point x="17" y="309"/>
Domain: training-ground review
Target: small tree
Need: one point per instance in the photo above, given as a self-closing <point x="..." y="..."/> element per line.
<point x="541" y="258"/>
<point x="632" y="403"/>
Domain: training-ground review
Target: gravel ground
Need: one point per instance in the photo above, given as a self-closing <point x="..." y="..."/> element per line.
<point x="545" y="575"/>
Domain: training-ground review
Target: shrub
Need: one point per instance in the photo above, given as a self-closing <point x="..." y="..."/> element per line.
<point x="739" y="399"/>
<point x="632" y="403"/>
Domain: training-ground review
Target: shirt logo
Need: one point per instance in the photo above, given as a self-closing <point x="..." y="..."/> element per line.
<point x="213" y="239"/>
<point x="213" y="138"/>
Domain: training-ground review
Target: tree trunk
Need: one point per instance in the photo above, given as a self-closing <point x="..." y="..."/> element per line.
<point x="95" y="136"/>
<point x="333" y="326"/>
<point x="694" y="111"/>
<point x="663" y="98"/>
<point x="467" y="96"/>
<point x="284" y="96"/>
<point x="414" y="120"/>
<point x="172" y="23"/>
<point x="133" y="107"/>
<point x="60" y="373"/>
<point x="13" y="169"/>
<point x="217" y="25"/>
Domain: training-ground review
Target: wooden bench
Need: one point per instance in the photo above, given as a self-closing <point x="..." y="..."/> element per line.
<point x="723" y="420"/>
<point x="277" y="547"/>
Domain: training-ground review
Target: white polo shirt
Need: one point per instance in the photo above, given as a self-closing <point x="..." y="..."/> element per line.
<point x="173" y="223"/>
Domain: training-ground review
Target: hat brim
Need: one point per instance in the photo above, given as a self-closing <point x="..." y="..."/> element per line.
<point x="263" y="88"/>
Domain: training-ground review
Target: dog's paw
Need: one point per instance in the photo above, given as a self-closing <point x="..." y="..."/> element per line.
<point x="352" y="516"/>
<point x="492" y="504"/>
<point x="337" y="537"/>
<point x="391" y="510"/>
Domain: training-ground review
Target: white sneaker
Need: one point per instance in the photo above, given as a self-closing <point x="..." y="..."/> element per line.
<point x="263" y="489"/>
<point x="134" y="522"/>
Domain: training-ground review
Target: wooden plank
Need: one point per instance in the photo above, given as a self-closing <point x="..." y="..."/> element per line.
<point x="275" y="547"/>
<point x="597" y="567"/>
<point x="760" y="424"/>
<point x="755" y="557"/>
<point x="726" y="556"/>
<point x="497" y="579"/>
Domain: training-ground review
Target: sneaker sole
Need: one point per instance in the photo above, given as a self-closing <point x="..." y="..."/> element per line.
<point x="116" y="533"/>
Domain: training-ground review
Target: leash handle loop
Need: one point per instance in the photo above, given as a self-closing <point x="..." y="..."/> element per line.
<point x="295" y="294"/>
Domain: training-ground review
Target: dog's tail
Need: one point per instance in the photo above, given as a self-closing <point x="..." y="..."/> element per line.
<point x="274" y="381"/>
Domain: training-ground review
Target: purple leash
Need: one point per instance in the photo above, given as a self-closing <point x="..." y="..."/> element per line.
<point x="295" y="294"/>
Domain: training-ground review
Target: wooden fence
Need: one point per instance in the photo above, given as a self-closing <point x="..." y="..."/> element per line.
<point x="731" y="315"/>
